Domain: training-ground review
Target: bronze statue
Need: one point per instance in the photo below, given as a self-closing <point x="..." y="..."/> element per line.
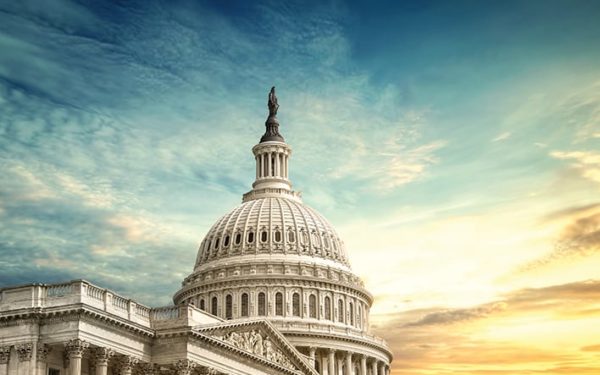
<point x="273" y="106"/>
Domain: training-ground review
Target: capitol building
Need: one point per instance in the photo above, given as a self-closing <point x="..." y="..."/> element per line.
<point x="271" y="292"/>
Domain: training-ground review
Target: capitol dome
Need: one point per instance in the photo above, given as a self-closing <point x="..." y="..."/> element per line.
<point x="275" y="226"/>
<point x="275" y="258"/>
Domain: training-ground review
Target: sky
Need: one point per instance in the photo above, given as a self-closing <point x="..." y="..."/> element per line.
<point x="454" y="145"/>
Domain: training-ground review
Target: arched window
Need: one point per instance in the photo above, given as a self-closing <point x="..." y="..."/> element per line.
<point x="341" y="311"/>
<point x="296" y="304"/>
<point x="214" y="306"/>
<point x="291" y="236"/>
<point x="277" y="236"/>
<point x="326" y="240"/>
<point x="316" y="239"/>
<point x="264" y="236"/>
<point x="351" y="311"/>
<point x="202" y="304"/>
<point x="238" y="238"/>
<point x="262" y="311"/>
<point x="279" y="304"/>
<point x="244" y="304"/>
<point x="228" y="307"/>
<point x="226" y="241"/>
<point x="216" y="243"/>
<point x="327" y="308"/>
<point x="312" y="306"/>
<point x="250" y="237"/>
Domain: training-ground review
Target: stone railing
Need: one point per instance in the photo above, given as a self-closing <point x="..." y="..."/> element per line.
<point x="304" y="327"/>
<point x="82" y="292"/>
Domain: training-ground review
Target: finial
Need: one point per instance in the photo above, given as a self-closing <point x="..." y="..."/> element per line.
<point x="272" y="124"/>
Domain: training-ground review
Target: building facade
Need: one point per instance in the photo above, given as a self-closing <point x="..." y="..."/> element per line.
<point x="271" y="292"/>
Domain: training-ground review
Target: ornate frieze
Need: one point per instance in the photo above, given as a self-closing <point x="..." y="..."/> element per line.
<point x="75" y="347"/>
<point x="24" y="351"/>
<point x="4" y="354"/>
<point x="257" y="344"/>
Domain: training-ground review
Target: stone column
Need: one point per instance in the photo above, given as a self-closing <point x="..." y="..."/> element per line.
<point x="42" y="357"/>
<point x="331" y="362"/>
<point x="126" y="363"/>
<point x="311" y="353"/>
<point x="381" y="368"/>
<point x="374" y="367"/>
<point x="348" y="370"/>
<point x="4" y="358"/>
<point x="101" y="357"/>
<point x="268" y="164"/>
<point x="25" y="353"/>
<point x="74" y="349"/>
<point x="363" y="365"/>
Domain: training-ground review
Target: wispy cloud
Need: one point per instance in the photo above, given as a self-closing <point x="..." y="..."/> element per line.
<point x="502" y="137"/>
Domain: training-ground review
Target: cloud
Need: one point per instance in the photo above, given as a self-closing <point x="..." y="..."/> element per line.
<point x="502" y="137"/>
<point x="457" y="315"/>
<point x="514" y="334"/>
<point x="587" y="163"/>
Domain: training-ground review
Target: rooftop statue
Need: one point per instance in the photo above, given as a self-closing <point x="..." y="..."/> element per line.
<point x="273" y="105"/>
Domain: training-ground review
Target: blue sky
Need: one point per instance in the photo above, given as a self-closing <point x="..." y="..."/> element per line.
<point x="455" y="146"/>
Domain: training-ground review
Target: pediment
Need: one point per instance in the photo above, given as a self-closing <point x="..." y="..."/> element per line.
<point x="260" y="339"/>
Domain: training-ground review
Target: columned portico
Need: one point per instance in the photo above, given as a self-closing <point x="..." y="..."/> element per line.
<point x="41" y="358"/>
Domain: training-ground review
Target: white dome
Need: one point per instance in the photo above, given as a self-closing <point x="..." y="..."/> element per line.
<point x="272" y="225"/>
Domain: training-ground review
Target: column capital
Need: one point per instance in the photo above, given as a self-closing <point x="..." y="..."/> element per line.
<point x="184" y="366"/>
<point x="4" y="354"/>
<point x="24" y="351"/>
<point x="331" y="351"/>
<point x="75" y="347"/>
<point x="101" y="355"/>
<point x="126" y="362"/>
<point x="42" y="352"/>
<point x="147" y="368"/>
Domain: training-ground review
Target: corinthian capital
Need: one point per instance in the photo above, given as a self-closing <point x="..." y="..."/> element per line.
<point x="126" y="362"/>
<point x="4" y="354"/>
<point x="102" y="355"/>
<point x="24" y="351"/>
<point x="184" y="366"/>
<point x="75" y="347"/>
<point x="42" y="352"/>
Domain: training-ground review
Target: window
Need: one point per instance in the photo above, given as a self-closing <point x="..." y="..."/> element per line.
<point x="277" y="236"/>
<point x="316" y="239"/>
<point x="53" y="371"/>
<point x="214" y="306"/>
<point x="273" y="165"/>
<point x="304" y="238"/>
<point x="341" y="311"/>
<point x="216" y="243"/>
<point x="312" y="306"/>
<point x="296" y="304"/>
<point x="228" y="307"/>
<point x="262" y="311"/>
<point x="326" y="241"/>
<point x="291" y="237"/>
<point x="245" y="304"/>
<point x="264" y="236"/>
<point x="327" y="308"/>
<point x="226" y="241"/>
<point x="351" y="311"/>
<point x="359" y="316"/>
<point x="202" y="304"/>
<point x="250" y="237"/>
<point x="238" y="238"/>
<point x="279" y="304"/>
